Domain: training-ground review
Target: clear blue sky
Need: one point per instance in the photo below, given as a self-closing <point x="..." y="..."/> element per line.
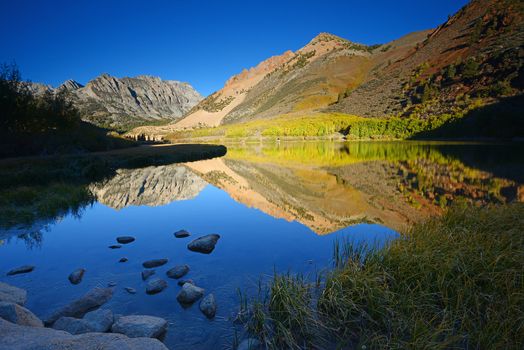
<point x="200" y="42"/>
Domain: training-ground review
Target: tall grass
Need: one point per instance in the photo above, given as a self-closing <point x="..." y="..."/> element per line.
<point x="456" y="281"/>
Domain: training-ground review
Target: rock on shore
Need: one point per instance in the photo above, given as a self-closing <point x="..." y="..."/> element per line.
<point x="140" y="326"/>
<point x="11" y="294"/>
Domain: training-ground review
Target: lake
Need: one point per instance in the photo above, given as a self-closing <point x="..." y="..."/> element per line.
<point x="278" y="207"/>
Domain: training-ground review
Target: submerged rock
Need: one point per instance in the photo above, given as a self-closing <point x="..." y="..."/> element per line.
<point x="178" y="271"/>
<point x="124" y="259"/>
<point x="181" y="234"/>
<point x="112" y="284"/>
<point x="100" y="320"/>
<point x="182" y="282"/>
<point x="140" y="326"/>
<point x="130" y="290"/>
<point x="154" y="263"/>
<point x="115" y="246"/>
<point x="125" y="239"/>
<point x="189" y="294"/>
<point x="93" y="299"/>
<point x="12" y="294"/>
<point x="76" y="276"/>
<point x="15" y="337"/>
<point x="147" y="273"/>
<point x="205" y="244"/>
<point x="21" y="269"/>
<point x="156" y="286"/>
<point x="208" y="306"/>
<point x="15" y="313"/>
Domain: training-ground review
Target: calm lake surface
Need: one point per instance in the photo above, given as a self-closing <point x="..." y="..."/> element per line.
<point x="277" y="207"/>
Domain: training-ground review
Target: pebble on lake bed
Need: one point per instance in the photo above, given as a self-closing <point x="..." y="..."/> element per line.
<point x="154" y="263"/>
<point x="21" y="269"/>
<point x="181" y="234"/>
<point x="178" y="271"/>
<point x="147" y="273"/>
<point x="208" y="306"/>
<point x="76" y="276"/>
<point x="125" y="239"/>
<point x="130" y="290"/>
<point x="156" y="286"/>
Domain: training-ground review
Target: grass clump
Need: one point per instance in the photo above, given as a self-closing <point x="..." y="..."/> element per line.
<point x="454" y="281"/>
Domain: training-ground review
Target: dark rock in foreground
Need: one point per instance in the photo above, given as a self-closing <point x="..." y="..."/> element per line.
<point x="12" y="294"/>
<point x="154" y="263"/>
<point x="140" y="326"/>
<point x="147" y="273"/>
<point x="205" y="244"/>
<point x="76" y="276"/>
<point x="93" y="299"/>
<point x="18" y="314"/>
<point x="156" y="286"/>
<point x="21" y="269"/>
<point x="189" y="294"/>
<point x="182" y="234"/>
<point x="178" y="271"/>
<point x="125" y="239"/>
<point x="15" y="337"/>
<point x="208" y="306"/>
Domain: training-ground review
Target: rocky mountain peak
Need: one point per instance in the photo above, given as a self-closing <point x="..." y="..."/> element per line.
<point x="70" y="85"/>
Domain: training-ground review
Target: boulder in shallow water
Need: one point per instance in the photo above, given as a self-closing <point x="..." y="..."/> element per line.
<point x="100" y="320"/>
<point x="156" y="286"/>
<point x="208" y="306"/>
<point x="125" y="239"/>
<point x="93" y="299"/>
<point x="181" y="234"/>
<point x="15" y="337"/>
<point x="205" y="244"/>
<point x="154" y="263"/>
<point x="178" y="271"/>
<point x="18" y="314"/>
<point x="140" y="326"/>
<point x="189" y="294"/>
<point x="122" y="260"/>
<point x="21" y="269"/>
<point x="115" y="246"/>
<point x="76" y="276"/>
<point x="12" y="294"/>
<point x="72" y="325"/>
<point x="147" y="273"/>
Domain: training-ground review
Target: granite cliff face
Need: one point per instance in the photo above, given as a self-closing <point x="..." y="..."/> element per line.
<point x="150" y="186"/>
<point x="122" y="103"/>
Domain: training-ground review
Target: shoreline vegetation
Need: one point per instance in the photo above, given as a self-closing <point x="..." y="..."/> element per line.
<point x="454" y="281"/>
<point x="477" y="120"/>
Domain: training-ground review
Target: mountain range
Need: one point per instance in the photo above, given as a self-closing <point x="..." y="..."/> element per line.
<point x="121" y="103"/>
<point x="477" y="53"/>
<point x="475" y="58"/>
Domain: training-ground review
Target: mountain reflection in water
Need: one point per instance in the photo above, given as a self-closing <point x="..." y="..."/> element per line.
<point x="328" y="186"/>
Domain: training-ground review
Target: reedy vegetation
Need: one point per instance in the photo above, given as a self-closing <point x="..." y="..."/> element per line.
<point x="452" y="282"/>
